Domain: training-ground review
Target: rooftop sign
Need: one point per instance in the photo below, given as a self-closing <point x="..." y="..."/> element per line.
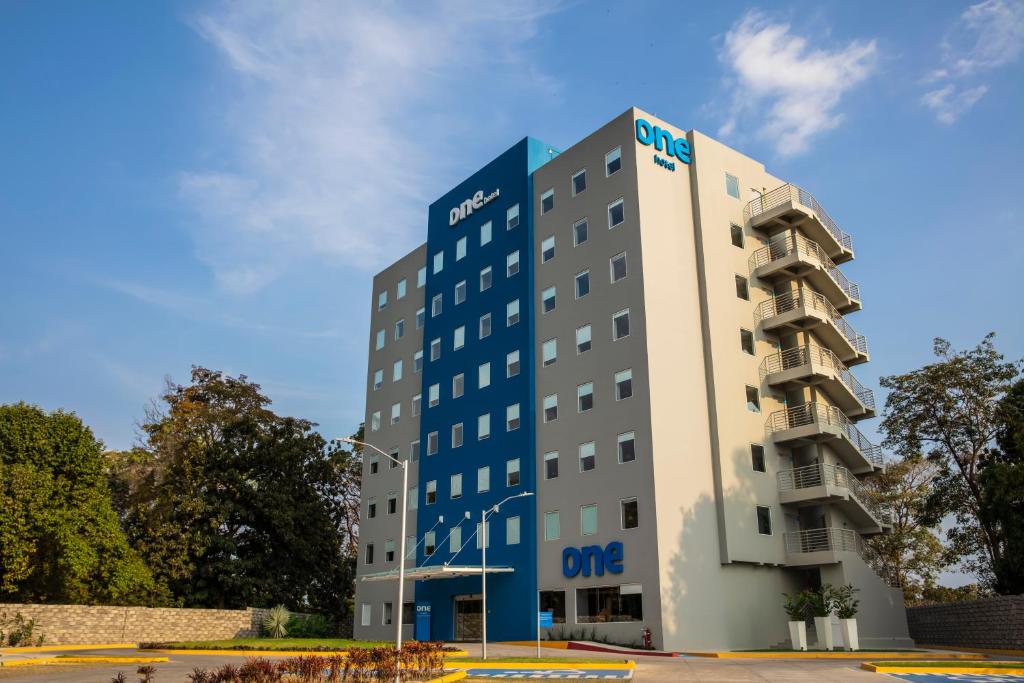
<point x="470" y="205"/>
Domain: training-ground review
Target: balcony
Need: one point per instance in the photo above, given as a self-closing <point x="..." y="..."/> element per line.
<point x="790" y="207"/>
<point x="828" y="545"/>
<point x="813" y="365"/>
<point x="794" y="256"/>
<point x="817" y="422"/>
<point x="815" y="484"/>
<point x="807" y="310"/>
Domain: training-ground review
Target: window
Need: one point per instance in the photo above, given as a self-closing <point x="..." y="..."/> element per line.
<point x="392" y="464"/>
<point x="485" y="326"/>
<point x="483" y="479"/>
<point x="485" y="233"/>
<point x="396" y="371"/>
<point x="392" y="503"/>
<point x="623" y="384"/>
<point x="456" y="486"/>
<point x="547" y="298"/>
<point x="485" y="279"/>
<point x="382" y="300"/>
<point x="588" y="456"/>
<point x="588" y="520"/>
<point x="371" y="508"/>
<point x="753" y="400"/>
<point x="512" y="472"/>
<point x="547" y="201"/>
<point x="550" y="408"/>
<point x="747" y="341"/>
<point x="436" y="304"/>
<point x="414" y="456"/>
<point x="454" y="539"/>
<point x="630" y="514"/>
<point x="627" y="447"/>
<point x="369" y="553"/>
<point x="547" y="249"/>
<point x="421" y="277"/>
<point x="374" y="463"/>
<point x="609" y="604"/>
<point x="483" y="375"/>
<point x="618" y="267"/>
<point x="421" y="315"/>
<point x="431" y="492"/>
<point x="375" y="422"/>
<point x="620" y="325"/>
<point x="432" y="442"/>
<point x="552" y="526"/>
<point x="512" y="364"/>
<point x="435" y="349"/>
<point x="512" y="313"/>
<point x="483" y="426"/>
<point x="585" y="397"/>
<point x="400" y="289"/>
<point x="460" y="248"/>
<point x="582" y="339"/>
<point x="554" y="602"/>
<point x="549" y="352"/>
<point x="512" y="217"/>
<point x="438" y="262"/>
<point x="579" y="182"/>
<point x="757" y="457"/>
<point x="742" y="290"/>
<point x="459" y="338"/>
<point x="551" y="465"/>
<point x="483" y="536"/>
<point x="378" y="379"/>
<point x="408" y="609"/>
<point x="429" y="543"/>
<point x="433" y="395"/>
<point x="417" y="361"/>
<point x="380" y="340"/>
<point x="582" y="284"/>
<point x="579" y="232"/>
<point x="458" y="385"/>
<point x="732" y="185"/>
<point x="460" y="292"/>
<point x="736" y="234"/>
<point x="386" y="614"/>
<point x="512" y="531"/>
<point x="512" y="263"/>
<point x="616" y="213"/>
<point x="512" y="417"/>
<point x="612" y="161"/>
<point x="396" y="413"/>
<point x="366" y="614"/>
<point x="399" y="329"/>
<point x="764" y="520"/>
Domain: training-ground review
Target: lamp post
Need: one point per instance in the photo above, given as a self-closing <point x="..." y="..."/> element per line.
<point x="401" y="553"/>
<point x="484" y="514"/>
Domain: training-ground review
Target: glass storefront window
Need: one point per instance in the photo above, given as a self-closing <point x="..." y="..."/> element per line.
<point x="553" y="601"/>
<point x="607" y="604"/>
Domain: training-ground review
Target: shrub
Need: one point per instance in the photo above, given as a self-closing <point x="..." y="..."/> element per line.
<point x="821" y="601"/>
<point x="119" y="678"/>
<point x="18" y="630"/>
<point x="146" y="673"/>
<point x="846" y="605"/>
<point x="795" y="605"/>
<point x="310" y="626"/>
<point x="275" y="624"/>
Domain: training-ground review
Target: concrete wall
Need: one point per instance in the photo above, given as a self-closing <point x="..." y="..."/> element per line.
<point x="991" y="623"/>
<point x="70" y="624"/>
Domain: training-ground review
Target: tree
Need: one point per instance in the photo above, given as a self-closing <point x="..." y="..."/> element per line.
<point x="947" y="411"/>
<point x="60" y="540"/>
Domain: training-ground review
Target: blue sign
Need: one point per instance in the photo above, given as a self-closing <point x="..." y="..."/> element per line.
<point x="547" y="619"/>
<point x="592" y="558"/>
<point x="422" y="630"/>
<point x="662" y="140"/>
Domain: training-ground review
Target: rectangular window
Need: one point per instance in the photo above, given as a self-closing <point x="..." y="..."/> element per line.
<point x="630" y="514"/>
<point x="588" y="456"/>
<point x="757" y="457"/>
<point x="374" y="463"/>
<point x="396" y="413"/>
<point x="554" y="602"/>
<point x="382" y="300"/>
<point x="483" y="375"/>
<point x="436" y="304"/>
<point x="429" y="543"/>
<point x="371" y="508"/>
<point x="747" y="341"/>
<point x="417" y="404"/>
<point x="483" y="426"/>
<point x="764" y="520"/>
<point x="460" y="292"/>
<point x="552" y="526"/>
<point x="458" y="385"/>
<point x="736" y="234"/>
<point x="421" y="277"/>
<point x="438" y="262"/>
<point x="627" y="447"/>
<point x="618" y="267"/>
<point x="512" y="313"/>
<point x="585" y="397"/>
<point x="582" y="284"/>
<point x="485" y="326"/>
<point x="369" y="553"/>
<point x="400" y="289"/>
<point x="512" y="472"/>
<point x="582" y="339"/>
<point x="547" y="299"/>
<point x="399" y="329"/>
<point x="579" y="232"/>
<point x="547" y="201"/>
<point x="386" y="614"/>
<point x="456" y="486"/>
<point x="623" y="384"/>
<point x="753" y="400"/>
<point x="421" y="315"/>
<point x="512" y="263"/>
<point x="547" y="249"/>
<point x="483" y="536"/>
<point x="550" y="408"/>
<point x="392" y="464"/>
<point x="512" y="364"/>
<point x="392" y="502"/>
<point x="620" y="325"/>
<point x="483" y="479"/>
<point x="485" y="279"/>
<point x="433" y="395"/>
<point x="396" y="371"/>
<point x="512" y="531"/>
<point x="732" y="185"/>
<point x="742" y="289"/>
<point x="551" y="465"/>
<point x="579" y="182"/>
<point x="588" y="520"/>
<point x="366" y="614"/>
<point x="512" y="417"/>
<point x="430" y="492"/>
<point x="432" y="443"/>
<point x="380" y="340"/>
<point x="616" y="214"/>
<point x="414" y="452"/>
<point x="435" y="349"/>
<point x="375" y="422"/>
<point x="454" y="539"/>
<point x="609" y="604"/>
<point x="417" y="361"/>
<point x="459" y="338"/>
<point x="512" y="217"/>
<point x="485" y="233"/>
<point x="612" y="161"/>
<point x="378" y="379"/>
<point x="460" y="248"/>
<point x="549" y="352"/>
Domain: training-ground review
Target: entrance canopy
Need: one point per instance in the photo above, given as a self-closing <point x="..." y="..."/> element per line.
<point x="439" y="572"/>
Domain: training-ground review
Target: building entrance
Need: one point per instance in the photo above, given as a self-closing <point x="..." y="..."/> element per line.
<point x="468" y="617"/>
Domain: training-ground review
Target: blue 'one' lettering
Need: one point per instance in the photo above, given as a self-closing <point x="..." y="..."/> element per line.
<point x="662" y="140"/>
<point x="592" y="559"/>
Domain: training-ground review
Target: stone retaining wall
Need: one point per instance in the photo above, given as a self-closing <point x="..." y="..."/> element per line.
<point x="996" y="623"/>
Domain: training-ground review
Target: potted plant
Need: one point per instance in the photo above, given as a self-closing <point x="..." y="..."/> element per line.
<point x="846" y="610"/>
<point x="795" y="607"/>
<point x="822" y="602"/>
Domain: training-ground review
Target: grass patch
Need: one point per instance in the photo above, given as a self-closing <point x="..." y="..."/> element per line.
<point x="955" y="664"/>
<point x="311" y="644"/>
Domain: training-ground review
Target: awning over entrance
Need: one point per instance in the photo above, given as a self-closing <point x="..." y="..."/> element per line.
<point x="439" y="572"/>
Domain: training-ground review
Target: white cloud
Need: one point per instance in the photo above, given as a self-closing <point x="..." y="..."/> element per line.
<point x="948" y="103"/>
<point x="339" y="117"/>
<point x="786" y="88"/>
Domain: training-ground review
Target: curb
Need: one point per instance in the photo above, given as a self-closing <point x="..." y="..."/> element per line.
<point x="589" y="647"/>
<point x="60" y="648"/>
<point x="979" y="650"/>
<point x="553" y="644"/>
<point x="449" y="678"/>
<point x="278" y="653"/>
<point x="939" y="669"/>
<point x="41" y="661"/>
<point x="570" y="665"/>
<point x="811" y="654"/>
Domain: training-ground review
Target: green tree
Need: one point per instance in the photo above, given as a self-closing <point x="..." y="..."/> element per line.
<point x="60" y="540"/>
<point x="947" y="411"/>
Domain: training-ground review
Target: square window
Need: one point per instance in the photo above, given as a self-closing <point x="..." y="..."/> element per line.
<point x="512" y="217"/>
<point x="460" y="248"/>
<point x="551" y="465"/>
<point x="431" y="492"/>
<point x="588" y="520"/>
<point x="380" y="340"/>
<point x="438" y="262"/>
<point x="433" y="395"/>
<point x="547" y="249"/>
<point x="457" y="434"/>
<point x="552" y="526"/>
<point x="612" y="161"/>
<point x="616" y="214"/>
<point x="549" y="352"/>
<point x="630" y="514"/>
<point x="421" y="277"/>
<point x="579" y="232"/>
<point x="736" y="235"/>
<point x="764" y="520"/>
<point x="485" y="326"/>
<point x="378" y="379"/>
<point x="512" y="417"/>
<point x="435" y="349"/>
<point x="753" y="400"/>
<point x="512" y="472"/>
<point x="460" y="292"/>
<point x="458" y="385"/>
<point x="429" y="543"/>
<point x="512" y="313"/>
<point x="582" y="339"/>
<point x="732" y="185"/>
<point x="375" y="422"/>
<point x="485" y="279"/>
<point x="432" y="443"/>
<point x="483" y="479"/>
<point x="421" y="315"/>
<point x="618" y="267"/>
<point x="512" y="263"/>
<point x="396" y="413"/>
<point x="742" y="290"/>
<point x="459" y="338"/>
<point x="585" y="397"/>
<point x="620" y="325"/>
<point x="757" y="457"/>
<point x="547" y="298"/>
<point x="582" y="281"/>
<point x="579" y="182"/>
<point x="483" y="427"/>
<point x="400" y="289"/>
<point x="417" y="362"/>
<point x="623" y="384"/>
<point x="627" y="447"/>
<point x="483" y="375"/>
<point x="747" y="341"/>
<point x="588" y="456"/>
<point x="417" y="404"/>
<point x="382" y="300"/>
<point x="485" y="233"/>
<point x="396" y="371"/>
<point x="399" y="329"/>
<point x="512" y="364"/>
<point x="456" y="486"/>
<point x="436" y="305"/>
<point x="550" y="406"/>
<point x="547" y="201"/>
<point x="512" y="530"/>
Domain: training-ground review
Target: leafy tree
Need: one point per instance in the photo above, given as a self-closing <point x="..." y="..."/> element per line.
<point x="60" y="540"/>
<point x="947" y="411"/>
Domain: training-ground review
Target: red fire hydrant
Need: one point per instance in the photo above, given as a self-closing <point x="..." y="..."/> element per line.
<point x="646" y="634"/>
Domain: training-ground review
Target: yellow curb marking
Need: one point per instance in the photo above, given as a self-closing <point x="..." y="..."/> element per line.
<point x="99" y="659"/>
<point x="554" y="644"/>
<point x="58" y="648"/>
<point x="982" y="650"/>
<point x="571" y="664"/>
<point x="449" y="678"/>
<point x="939" y="669"/>
<point x="811" y="654"/>
<point x="277" y="653"/>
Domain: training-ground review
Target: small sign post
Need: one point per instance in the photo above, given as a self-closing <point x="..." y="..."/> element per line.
<point x="544" y="620"/>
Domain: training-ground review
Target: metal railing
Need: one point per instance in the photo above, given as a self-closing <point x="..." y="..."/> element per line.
<point x="813" y="300"/>
<point x="813" y="354"/>
<point x="803" y="247"/>
<point x="824" y="415"/>
<point x="831" y="475"/>
<point x="792" y="193"/>
<point x="826" y="539"/>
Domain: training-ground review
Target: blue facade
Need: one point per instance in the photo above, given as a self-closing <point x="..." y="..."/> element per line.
<point x="510" y="615"/>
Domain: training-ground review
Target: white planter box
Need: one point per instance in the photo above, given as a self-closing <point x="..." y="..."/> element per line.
<point x="850" y="640"/>
<point x="798" y="635"/>
<point x="823" y="627"/>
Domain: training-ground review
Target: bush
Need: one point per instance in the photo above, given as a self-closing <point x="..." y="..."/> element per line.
<point x="795" y="605"/>
<point x="846" y="604"/>
<point x="275" y="624"/>
<point x="310" y="626"/>
<point x="18" y="631"/>
<point x="821" y="601"/>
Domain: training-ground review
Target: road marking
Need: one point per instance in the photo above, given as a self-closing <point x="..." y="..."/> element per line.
<point x="553" y="674"/>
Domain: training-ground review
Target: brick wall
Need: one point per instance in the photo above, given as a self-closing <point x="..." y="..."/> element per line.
<point x="66" y="624"/>
<point x="990" y="623"/>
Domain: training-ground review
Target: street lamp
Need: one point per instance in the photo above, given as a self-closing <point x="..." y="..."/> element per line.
<point x="401" y="554"/>
<point x="483" y="558"/>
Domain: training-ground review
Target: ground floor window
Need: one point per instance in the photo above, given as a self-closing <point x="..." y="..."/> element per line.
<point x="609" y="603"/>
<point x="408" y="613"/>
<point x="554" y="602"/>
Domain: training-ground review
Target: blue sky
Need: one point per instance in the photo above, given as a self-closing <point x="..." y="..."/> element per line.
<point x="215" y="183"/>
